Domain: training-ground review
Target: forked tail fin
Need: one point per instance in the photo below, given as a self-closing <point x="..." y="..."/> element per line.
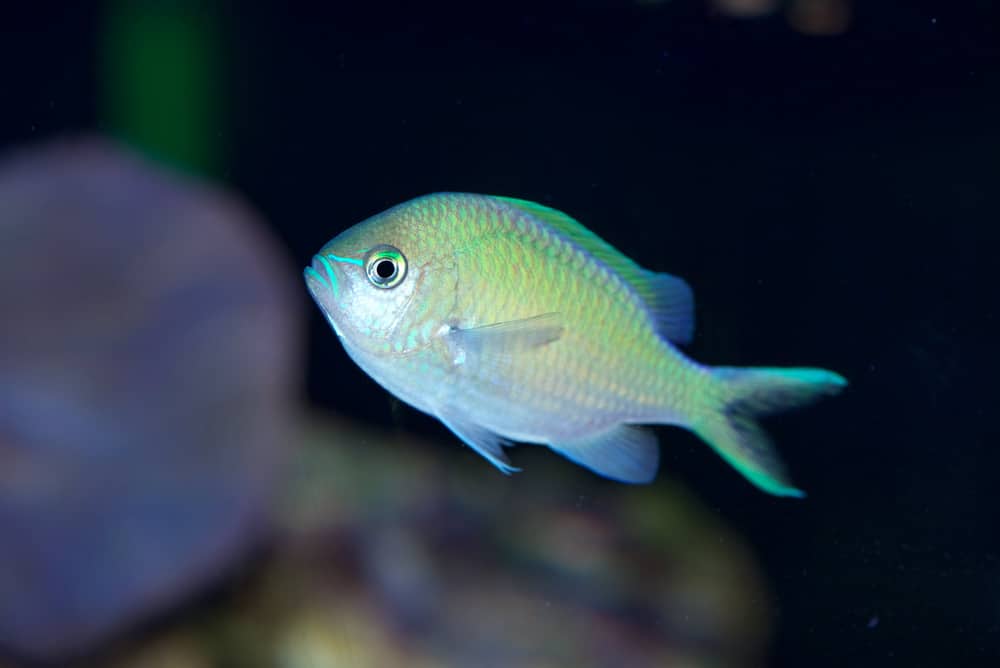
<point x="740" y="395"/>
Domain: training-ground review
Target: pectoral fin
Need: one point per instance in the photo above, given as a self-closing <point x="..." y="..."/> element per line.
<point x="484" y="348"/>
<point x="481" y="355"/>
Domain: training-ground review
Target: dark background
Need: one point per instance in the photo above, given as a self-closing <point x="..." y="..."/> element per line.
<point x="831" y="199"/>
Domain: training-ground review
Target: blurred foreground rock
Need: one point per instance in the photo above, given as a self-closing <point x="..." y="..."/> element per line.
<point x="397" y="552"/>
<point x="149" y="358"/>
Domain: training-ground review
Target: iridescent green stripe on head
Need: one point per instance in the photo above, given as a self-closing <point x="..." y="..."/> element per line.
<point x="331" y="277"/>
<point x="334" y="286"/>
<point x="348" y="260"/>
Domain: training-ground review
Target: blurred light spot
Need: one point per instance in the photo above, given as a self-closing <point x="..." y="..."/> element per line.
<point x="820" y="17"/>
<point x="745" y="8"/>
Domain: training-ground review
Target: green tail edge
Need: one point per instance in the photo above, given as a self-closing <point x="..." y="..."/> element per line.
<point x="741" y="394"/>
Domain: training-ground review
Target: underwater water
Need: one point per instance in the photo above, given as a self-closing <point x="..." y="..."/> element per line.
<point x="194" y="471"/>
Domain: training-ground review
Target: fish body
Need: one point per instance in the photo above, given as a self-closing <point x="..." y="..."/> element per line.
<point x="511" y="322"/>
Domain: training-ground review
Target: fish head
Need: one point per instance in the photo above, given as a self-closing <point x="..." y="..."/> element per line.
<point x="368" y="279"/>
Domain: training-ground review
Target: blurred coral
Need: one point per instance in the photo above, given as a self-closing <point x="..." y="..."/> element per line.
<point x="470" y="568"/>
<point x="149" y="361"/>
<point x="392" y="555"/>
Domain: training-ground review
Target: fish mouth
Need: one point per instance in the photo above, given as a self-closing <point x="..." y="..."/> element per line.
<point x="321" y="280"/>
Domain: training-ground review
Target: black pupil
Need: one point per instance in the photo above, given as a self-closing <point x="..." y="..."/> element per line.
<point x="385" y="269"/>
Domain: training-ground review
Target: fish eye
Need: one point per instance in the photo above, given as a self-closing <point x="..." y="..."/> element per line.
<point x="385" y="266"/>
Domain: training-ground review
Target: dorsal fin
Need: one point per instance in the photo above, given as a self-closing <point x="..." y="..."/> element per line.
<point x="668" y="299"/>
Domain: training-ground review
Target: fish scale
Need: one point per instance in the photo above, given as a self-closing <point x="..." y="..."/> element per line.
<point x="594" y="319"/>
<point x="511" y="322"/>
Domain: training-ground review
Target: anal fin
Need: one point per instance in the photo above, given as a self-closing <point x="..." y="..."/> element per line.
<point x="624" y="453"/>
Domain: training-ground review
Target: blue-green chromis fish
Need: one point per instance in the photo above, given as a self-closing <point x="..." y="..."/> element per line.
<point x="510" y="321"/>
